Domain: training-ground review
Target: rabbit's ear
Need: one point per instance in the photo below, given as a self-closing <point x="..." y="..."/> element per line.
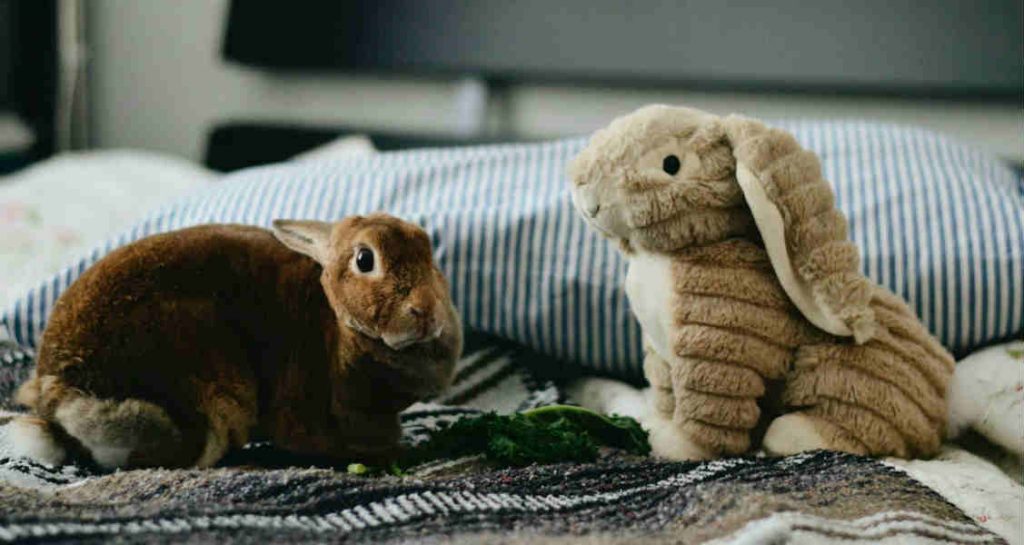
<point x="311" y="238"/>
<point x="801" y="228"/>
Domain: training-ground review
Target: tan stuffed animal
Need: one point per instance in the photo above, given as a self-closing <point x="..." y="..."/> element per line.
<point x="743" y="279"/>
<point x="180" y="346"/>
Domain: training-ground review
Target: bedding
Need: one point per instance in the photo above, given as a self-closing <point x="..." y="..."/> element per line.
<point x="55" y="211"/>
<point x="817" y="497"/>
<point x="987" y="395"/>
<point x="938" y="223"/>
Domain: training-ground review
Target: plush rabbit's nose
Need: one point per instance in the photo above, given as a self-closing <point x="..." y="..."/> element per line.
<point x="417" y="311"/>
<point x="587" y="203"/>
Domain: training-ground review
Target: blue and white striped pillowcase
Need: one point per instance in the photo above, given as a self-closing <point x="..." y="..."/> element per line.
<point x="937" y="222"/>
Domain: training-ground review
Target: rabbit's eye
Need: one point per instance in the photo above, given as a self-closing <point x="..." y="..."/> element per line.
<point x="364" y="260"/>
<point x="670" y="165"/>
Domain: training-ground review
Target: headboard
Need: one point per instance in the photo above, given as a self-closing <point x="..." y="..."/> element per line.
<point x="899" y="48"/>
<point x="236" y="145"/>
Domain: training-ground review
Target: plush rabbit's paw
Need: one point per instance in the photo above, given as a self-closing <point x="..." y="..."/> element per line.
<point x="799" y="432"/>
<point x="793" y="433"/>
<point x="668" y="441"/>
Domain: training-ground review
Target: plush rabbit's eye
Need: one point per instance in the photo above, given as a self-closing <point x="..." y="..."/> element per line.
<point x="364" y="260"/>
<point x="670" y="165"/>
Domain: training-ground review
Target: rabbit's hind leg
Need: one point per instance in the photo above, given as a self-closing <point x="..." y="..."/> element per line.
<point x="119" y="433"/>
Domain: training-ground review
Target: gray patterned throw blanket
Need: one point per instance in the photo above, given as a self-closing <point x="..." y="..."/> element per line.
<point x="263" y="496"/>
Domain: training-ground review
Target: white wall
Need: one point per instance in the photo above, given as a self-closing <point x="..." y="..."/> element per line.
<point x="158" y="82"/>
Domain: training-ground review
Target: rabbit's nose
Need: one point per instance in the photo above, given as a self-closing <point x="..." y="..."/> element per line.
<point x="593" y="209"/>
<point x="420" y="310"/>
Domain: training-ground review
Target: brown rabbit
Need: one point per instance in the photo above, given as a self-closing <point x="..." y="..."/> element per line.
<point x="180" y="346"/>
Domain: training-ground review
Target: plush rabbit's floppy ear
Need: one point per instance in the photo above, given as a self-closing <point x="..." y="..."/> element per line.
<point x="803" y="231"/>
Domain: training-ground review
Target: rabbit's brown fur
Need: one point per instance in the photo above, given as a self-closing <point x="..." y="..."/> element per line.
<point x="174" y="349"/>
<point x="730" y="328"/>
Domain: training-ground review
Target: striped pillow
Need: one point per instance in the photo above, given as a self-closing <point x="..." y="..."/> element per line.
<point x="939" y="223"/>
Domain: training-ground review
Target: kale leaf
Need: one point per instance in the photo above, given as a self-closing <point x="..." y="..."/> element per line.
<point x="556" y="433"/>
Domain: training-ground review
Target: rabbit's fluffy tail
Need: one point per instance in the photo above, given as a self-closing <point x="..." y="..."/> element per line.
<point x="69" y="424"/>
<point x="33" y="437"/>
<point x="36" y="439"/>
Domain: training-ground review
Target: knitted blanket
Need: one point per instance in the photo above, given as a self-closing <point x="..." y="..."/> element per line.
<point x="261" y="495"/>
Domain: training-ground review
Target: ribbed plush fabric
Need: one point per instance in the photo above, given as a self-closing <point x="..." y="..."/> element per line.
<point x="937" y="222"/>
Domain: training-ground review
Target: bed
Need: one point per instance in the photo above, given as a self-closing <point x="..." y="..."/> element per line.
<point x="967" y="282"/>
<point x="970" y="493"/>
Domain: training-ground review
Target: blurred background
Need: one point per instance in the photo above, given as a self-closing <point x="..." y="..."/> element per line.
<point x="234" y="83"/>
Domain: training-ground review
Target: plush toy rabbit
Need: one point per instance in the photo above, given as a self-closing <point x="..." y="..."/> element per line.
<point x="174" y="349"/>
<point x="742" y="278"/>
